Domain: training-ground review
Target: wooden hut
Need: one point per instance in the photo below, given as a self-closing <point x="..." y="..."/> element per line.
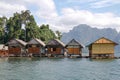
<point x="16" y="47"/>
<point x="102" y="48"/>
<point x="3" y="50"/>
<point x="55" y="47"/>
<point x="35" y="47"/>
<point x="74" y="48"/>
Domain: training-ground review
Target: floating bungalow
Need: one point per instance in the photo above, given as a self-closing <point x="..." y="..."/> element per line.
<point x="74" y="48"/>
<point x="35" y="47"/>
<point x="102" y="48"/>
<point x="3" y="50"/>
<point x="16" y="47"/>
<point x="55" y="47"/>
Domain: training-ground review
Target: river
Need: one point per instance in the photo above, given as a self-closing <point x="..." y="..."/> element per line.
<point x="22" y="68"/>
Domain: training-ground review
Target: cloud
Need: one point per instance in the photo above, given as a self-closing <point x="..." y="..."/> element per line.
<point x="45" y="11"/>
<point x="104" y="3"/>
<point x="95" y="3"/>
<point x="72" y="17"/>
<point x="80" y="1"/>
<point x="8" y="9"/>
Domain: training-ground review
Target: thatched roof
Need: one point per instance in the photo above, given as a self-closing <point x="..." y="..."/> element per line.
<point x="55" y="42"/>
<point x="21" y="42"/>
<point x="36" y="41"/>
<point x="73" y="42"/>
<point x="16" y="41"/>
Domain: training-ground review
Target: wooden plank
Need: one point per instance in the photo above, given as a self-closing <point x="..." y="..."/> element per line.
<point x="34" y="50"/>
<point x="14" y="50"/>
<point x="54" y="51"/>
<point x="74" y="51"/>
<point x="3" y="53"/>
<point x="102" y="48"/>
<point x="103" y="40"/>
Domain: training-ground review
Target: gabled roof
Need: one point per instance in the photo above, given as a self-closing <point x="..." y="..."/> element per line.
<point x="103" y="40"/>
<point x="36" y="41"/>
<point x="74" y="42"/>
<point x="55" y="42"/>
<point x="14" y="41"/>
<point x="21" y="42"/>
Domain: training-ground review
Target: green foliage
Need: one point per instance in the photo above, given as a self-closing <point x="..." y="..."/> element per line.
<point x="14" y="28"/>
<point x="2" y="28"/>
<point x="46" y="34"/>
<point x="59" y="35"/>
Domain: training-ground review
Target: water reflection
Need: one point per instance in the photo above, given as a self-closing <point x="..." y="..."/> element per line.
<point x="3" y="59"/>
<point x="35" y="68"/>
<point x="102" y="60"/>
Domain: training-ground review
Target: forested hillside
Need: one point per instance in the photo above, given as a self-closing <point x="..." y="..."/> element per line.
<point x="23" y="26"/>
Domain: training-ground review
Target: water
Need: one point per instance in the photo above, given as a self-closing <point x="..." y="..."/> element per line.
<point x="59" y="69"/>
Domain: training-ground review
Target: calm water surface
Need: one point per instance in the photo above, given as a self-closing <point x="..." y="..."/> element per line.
<point x="59" y="69"/>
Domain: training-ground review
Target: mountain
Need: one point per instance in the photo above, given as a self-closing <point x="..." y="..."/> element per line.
<point x="85" y="34"/>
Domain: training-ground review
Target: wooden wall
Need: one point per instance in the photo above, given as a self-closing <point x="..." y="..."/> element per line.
<point x="56" y="51"/>
<point x="3" y="53"/>
<point x="74" y="51"/>
<point x="16" y="50"/>
<point x="34" y="50"/>
<point x="102" y="48"/>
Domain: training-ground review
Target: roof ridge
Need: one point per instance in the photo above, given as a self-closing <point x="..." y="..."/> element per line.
<point x="75" y="41"/>
<point x="21" y="42"/>
<point x="104" y="38"/>
<point x="39" y="41"/>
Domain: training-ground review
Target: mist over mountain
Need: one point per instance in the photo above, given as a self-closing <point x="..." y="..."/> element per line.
<point x="85" y="34"/>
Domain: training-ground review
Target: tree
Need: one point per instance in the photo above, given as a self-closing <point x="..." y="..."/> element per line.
<point x="2" y="29"/>
<point x="59" y="35"/>
<point x="46" y="33"/>
<point x="14" y="28"/>
<point x="25" y="21"/>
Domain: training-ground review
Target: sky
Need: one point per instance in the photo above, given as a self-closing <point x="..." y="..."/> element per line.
<point x="63" y="15"/>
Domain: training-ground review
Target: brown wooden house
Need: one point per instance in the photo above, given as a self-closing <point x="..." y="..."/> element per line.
<point x="102" y="48"/>
<point x="16" y="47"/>
<point x="55" y="47"/>
<point x="3" y="50"/>
<point x="35" y="47"/>
<point x="74" y="48"/>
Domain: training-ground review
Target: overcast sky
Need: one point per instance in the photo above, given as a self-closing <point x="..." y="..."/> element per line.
<point x="63" y="15"/>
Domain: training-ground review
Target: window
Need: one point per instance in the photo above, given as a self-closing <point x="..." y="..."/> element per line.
<point x="33" y="45"/>
<point x="13" y="46"/>
<point x="54" y="49"/>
